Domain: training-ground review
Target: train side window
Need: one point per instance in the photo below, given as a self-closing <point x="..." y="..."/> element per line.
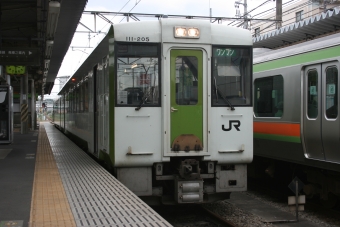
<point x="332" y="101"/>
<point x="268" y="95"/>
<point x="86" y="96"/>
<point x="138" y="75"/>
<point x="312" y="96"/>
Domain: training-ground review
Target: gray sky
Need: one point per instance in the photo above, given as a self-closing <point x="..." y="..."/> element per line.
<point x="220" y="8"/>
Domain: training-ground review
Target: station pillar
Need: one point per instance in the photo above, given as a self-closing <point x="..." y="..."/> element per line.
<point x="24" y="103"/>
<point x="33" y="109"/>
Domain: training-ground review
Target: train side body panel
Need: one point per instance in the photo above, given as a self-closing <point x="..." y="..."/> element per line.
<point x="296" y="106"/>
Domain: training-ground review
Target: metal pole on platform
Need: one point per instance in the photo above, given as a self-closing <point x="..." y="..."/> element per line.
<point x="297" y="199"/>
<point x="23" y="103"/>
<point x="8" y="79"/>
<point x="33" y="122"/>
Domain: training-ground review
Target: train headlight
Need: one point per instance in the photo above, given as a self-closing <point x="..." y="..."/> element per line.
<point x="180" y="32"/>
<point x="186" y="32"/>
<point x="193" y="32"/>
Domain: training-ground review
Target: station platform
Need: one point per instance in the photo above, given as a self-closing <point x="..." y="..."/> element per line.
<point x="46" y="180"/>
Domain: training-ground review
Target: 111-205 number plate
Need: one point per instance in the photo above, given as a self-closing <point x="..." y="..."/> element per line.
<point x="137" y="39"/>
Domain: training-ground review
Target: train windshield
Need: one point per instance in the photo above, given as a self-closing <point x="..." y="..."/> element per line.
<point x="231" y="76"/>
<point x="138" y="73"/>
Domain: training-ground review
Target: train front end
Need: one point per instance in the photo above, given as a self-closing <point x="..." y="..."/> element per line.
<point x="181" y="129"/>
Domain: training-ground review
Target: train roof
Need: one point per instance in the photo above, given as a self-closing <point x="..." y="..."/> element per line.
<point x="265" y="55"/>
<point x="162" y="31"/>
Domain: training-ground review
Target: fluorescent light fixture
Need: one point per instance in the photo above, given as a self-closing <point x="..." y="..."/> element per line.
<point x="48" y="48"/>
<point x="186" y="32"/>
<point x="134" y="65"/>
<point x="52" y="20"/>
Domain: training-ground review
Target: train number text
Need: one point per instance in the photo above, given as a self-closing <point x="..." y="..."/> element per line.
<point x="137" y="39"/>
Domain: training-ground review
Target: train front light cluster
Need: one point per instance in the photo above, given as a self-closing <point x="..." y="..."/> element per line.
<point x="186" y="32"/>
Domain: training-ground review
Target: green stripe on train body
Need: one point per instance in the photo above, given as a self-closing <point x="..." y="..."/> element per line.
<point x="292" y="139"/>
<point x="298" y="59"/>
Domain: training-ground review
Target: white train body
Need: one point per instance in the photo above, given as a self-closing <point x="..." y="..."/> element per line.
<point x="170" y="114"/>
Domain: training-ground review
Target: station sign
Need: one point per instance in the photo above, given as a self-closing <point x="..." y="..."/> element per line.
<point x="19" y="56"/>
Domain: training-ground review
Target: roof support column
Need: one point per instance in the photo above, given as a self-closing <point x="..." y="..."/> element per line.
<point x="23" y="103"/>
<point x="33" y="109"/>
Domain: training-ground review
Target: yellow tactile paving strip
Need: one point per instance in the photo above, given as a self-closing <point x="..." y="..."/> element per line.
<point x="49" y="205"/>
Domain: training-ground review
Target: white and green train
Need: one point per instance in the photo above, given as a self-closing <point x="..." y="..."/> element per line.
<point x="167" y="105"/>
<point x="296" y="113"/>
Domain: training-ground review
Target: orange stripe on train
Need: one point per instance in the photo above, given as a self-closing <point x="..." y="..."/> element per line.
<point x="284" y="129"/>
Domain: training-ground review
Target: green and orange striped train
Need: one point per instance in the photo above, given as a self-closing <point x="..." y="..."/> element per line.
<point x="296" y="111"/>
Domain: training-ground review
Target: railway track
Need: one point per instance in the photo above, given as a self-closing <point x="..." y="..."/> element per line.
<point x="314" y="210"/>
<point x="192" y="215"/>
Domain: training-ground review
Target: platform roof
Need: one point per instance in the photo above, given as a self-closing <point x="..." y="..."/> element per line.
<point x="308" y="29"/>
<point x="42" y="28"/>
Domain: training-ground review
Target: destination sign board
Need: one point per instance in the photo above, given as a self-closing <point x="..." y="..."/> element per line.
<point x="19" y="56"/>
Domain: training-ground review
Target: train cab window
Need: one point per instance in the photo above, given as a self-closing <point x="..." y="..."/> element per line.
<point x="231" y="76"/>
<point x="186" y="80"/>
<point x="137" y="75"/>
<point x="312" y="96"/>
<point x="332" y="101"/>
<point x="268" y="93"/>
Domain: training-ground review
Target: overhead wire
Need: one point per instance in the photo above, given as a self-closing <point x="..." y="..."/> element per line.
<point x="132" y="9"/>
<point x="283" y="13"/>
<point x="116" y="15"/>
<point x="283" y="5"/>
<point x="271" y="9"/>
<point x="252" y="10"/>
<point x="101" y="30"/>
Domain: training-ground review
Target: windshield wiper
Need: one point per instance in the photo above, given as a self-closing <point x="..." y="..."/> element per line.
<point x="219" y="92"/>
<point x="144" y="98"/>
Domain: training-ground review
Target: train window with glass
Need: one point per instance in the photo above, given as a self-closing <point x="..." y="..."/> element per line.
<point x="312" y="95"/>
<point x="268" y="93"/>
<point x="186" y="80"/>
<point x="70" y="108"/>
<point x="77" y="101"/>
<point x="86" y="96"/>
<point x="81" y="98"/>
<point x="231" y="76"/>
<point x="137" y="75"/>
<point x="332" y="93"/>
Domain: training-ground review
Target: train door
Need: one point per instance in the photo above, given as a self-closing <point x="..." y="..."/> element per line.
<point x="102" y="107"/>
<point x="63" y="111"/>
<point x="186" y="101"/>
<point x="321" y="125"/>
